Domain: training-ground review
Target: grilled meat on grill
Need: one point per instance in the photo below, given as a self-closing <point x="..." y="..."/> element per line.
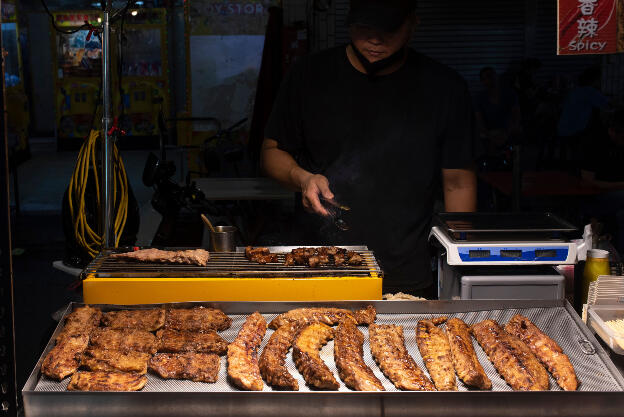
<point x="124" y="340"/>
<point x="349" y="358"/>
<point x="436" y="353"/>
<point x="198" y="319"/>
<point x="329" y="316"/>
<point x="82" y="320"/>
<point x="545" y="349"/>
<point x="106" y="381"/>
<point x="260" y="255"/>
<point x="96" y="359"/>
<point x="64" y="358"/>
<point x="306" y="356"/>
<point x="197" y="257"/>
<point x="512" y="358"/>
<point x="149" y="320"/>
<point x="387" y="345"/>
<point x="313" y="257"/>
<point x="354" y="258"/>
<point x="180" y="341"/>
<point x="465" y="359"/>
<point x="273" y="358"/>
<point x="242" y="355"/>
<point x="198" y="367"/>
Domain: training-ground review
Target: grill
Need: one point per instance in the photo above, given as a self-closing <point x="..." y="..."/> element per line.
<point x="600" y="381"/>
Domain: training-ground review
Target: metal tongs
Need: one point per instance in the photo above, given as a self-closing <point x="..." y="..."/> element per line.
<point x="336" y="210"/>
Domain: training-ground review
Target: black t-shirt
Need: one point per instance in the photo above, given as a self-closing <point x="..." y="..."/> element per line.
<point x="603" y="157"/>
<point x="381" y="143"/>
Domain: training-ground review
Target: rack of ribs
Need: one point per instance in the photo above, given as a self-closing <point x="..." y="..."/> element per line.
<point x="175" y="341"/>
<point x="349" y="358"/>
<point x="198" y="319"/>
<point x="124" y="340"/>
<point x="197" y="257"/>
<point x="436" y="353"/>
<point x="307" y="358"/>
<point x="511" y="358"/>
<point x="242" y="354"/>
<point x="82" y="320"/>
<point x="545" y="349"/>
<point x="329" y="316"/>
<point x="260" y="255"/>
<point x="273" y="358"/>
<point x="149" y="320"/>
<point x="465" y="359"/>
<point x="95" y="359"/>
<point x="387" y="345"/>
<point x="106" y="381"/>
<point x="198" y="367"/>
<point x="64" y="358"/>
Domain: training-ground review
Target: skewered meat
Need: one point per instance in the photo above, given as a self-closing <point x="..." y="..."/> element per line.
<point x="180" y="341"/>
<point x="273" y="358"/>
<point x="465" y="359"/>
<point x="545" y="349"/>
<point x="64" y="358"/>
<point x="289" y="260"/>
<point x="198" y="367"/>
<point x="354" y="258"/>
<point x="242" y="354"/>
<point x="307" y="358"/>
<point x="197" y="257"/>
<point x="330" y="316"/>
<point x="387" y="345"/>
<point x="349" y="358"/>
<point x="124" y="340"/>
<point x="313" y="257"/>
<point x="436" y="353"/>
<point x="96" y="359"/>
<point x="260" y="255"/>
<point x="198" y="319"/>
<point x="82" y="320"/>
<point x="149" y="320"/>
<point x="511" y="358"/>
<point x="106" y="381"/>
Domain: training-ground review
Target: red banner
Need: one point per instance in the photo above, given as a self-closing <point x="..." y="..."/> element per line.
<point x="588" y="26"/>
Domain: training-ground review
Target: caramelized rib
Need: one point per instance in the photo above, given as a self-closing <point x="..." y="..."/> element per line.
<point x="273" y="358"/>
<point x="349" y="358"/>
<point x="149" y="320"/>
<point x="307" y="358"/>
<point x="106" y="381"/>
<point x="465" y="358"/>
<point x="436" y="353"/>
<point x="329" y="316"/>
<point x="197" y="367"/>
<point x="96" y="359"/>
<point x="174" y="341"/>
<point x="198" y="319"/>
<point x="83" y="320"/>
<point x="242" y="354"/>
<point x="124" y="340"/>
<point x="64" y="358"/>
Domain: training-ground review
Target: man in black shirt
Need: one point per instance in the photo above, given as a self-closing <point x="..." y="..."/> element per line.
<point x="376" y="126"/>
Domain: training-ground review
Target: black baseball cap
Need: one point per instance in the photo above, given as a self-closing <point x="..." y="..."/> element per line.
<point x="386" y="15"/>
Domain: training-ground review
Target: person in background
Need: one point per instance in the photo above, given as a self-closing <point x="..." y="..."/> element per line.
<point x="382" y="129"/>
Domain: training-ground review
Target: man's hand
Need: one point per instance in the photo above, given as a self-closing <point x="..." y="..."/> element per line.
<point x="312" y="187"/>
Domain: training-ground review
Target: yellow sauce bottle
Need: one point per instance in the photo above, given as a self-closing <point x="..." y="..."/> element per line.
<point x="597" y="264"/>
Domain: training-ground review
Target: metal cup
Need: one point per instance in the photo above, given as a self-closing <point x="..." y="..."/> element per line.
<point x="223" y="239"/>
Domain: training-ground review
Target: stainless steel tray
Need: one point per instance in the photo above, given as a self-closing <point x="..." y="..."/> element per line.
<point x="601" y="384"/>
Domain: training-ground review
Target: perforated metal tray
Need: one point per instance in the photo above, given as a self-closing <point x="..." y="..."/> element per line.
<point x="599" y="378"/>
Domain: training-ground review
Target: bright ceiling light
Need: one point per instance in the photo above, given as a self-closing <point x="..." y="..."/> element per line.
<point x="134" y="12"/>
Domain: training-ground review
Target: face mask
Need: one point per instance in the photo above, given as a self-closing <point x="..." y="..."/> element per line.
<point x="373" y="68"/>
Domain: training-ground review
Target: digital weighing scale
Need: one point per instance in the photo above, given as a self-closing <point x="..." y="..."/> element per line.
<point x="502" y="255"/>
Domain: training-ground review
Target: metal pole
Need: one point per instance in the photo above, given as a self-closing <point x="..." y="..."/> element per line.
<point x="107" y="142"/>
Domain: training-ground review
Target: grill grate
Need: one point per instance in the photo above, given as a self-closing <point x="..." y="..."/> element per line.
<point x="592" y="372"/>
<point x="227" y="264"/>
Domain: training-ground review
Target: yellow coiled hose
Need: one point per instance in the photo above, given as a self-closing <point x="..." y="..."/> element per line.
<point x="86" y="235"/>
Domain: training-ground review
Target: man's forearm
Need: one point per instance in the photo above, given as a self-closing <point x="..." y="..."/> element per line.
<point x="281" y="166"/>
<point x="460" y="190"/>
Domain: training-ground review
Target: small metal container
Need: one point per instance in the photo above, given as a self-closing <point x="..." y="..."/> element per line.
<point x="223" y="239"/>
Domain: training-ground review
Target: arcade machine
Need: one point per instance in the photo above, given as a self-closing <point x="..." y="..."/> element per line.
<point x="17" y="113"/>
<point x="144" y="70"/>
<point x="77" y="64"/>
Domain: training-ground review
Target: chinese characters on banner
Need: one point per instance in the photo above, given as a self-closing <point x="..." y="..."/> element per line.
<point x="590" y="27"/>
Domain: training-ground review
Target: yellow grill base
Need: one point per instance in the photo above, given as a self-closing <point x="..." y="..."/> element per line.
<point x="167" y="290"/>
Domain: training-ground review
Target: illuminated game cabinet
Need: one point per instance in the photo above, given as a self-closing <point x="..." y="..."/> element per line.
<point x="77" y="73"/>
<point x="17" y="111"/>
<point x="144" y="69"/>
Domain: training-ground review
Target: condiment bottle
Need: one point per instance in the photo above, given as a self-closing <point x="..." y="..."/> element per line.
<point x="597" y="264"/>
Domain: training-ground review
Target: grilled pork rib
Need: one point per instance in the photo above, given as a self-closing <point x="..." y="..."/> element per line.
<point x="149" y="320"/>
<point x="306" y="356"/>
<point x="198" y="319"/>
<point x="175" y="341"/>
<point x="545" y="349"/>
<point x="95" y="359"/>
<point x="242" y="354"/>
<point x="198" y="367"/>
<point x="329" y="316"/>
<point x="83" y="320"/>
<point x="349" y="358"/>
<point x="106" y="381"/>
<point x="273" y="358"/>
<point x="197" y="257"/>
<point x="64" y="358"/>
<point x="436" y="353"/>
<point x="124" y="340"/>
<point x="387" y="345"/>
<point x="465" y="359"/>
<point x="512" y="358"/>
